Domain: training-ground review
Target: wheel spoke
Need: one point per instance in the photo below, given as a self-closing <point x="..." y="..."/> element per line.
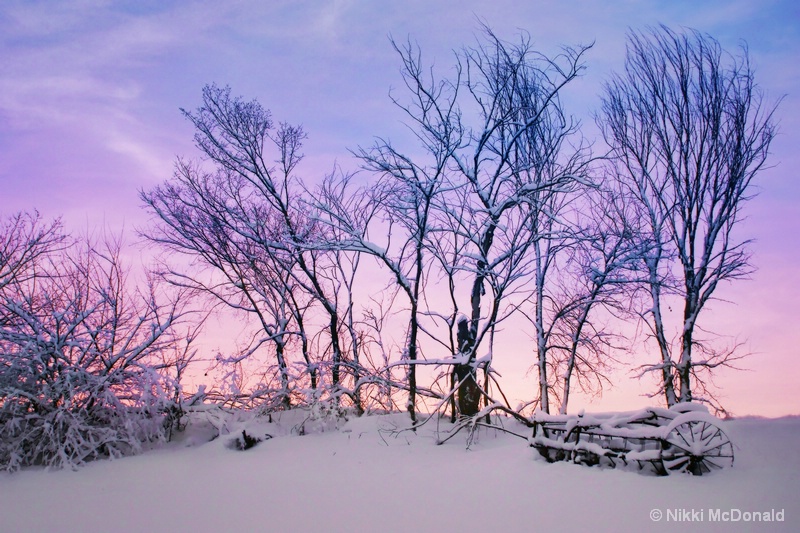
<point x="683" y="438"/>
<point x="677" y="465"/>
<point x="679" y="447"/>
<point x="717" y="447"/>
<point x="712" y="463"/>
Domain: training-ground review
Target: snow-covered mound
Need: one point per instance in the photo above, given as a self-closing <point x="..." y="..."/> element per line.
<point x="369" y="474"/>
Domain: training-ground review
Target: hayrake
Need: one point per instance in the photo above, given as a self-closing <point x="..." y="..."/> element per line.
<point x="682" y="439"/>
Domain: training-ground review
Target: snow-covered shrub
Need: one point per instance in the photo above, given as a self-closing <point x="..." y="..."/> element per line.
<point x="323" y="413"/>
<point x="80" y="358"/>
<point x="95" y="421"/>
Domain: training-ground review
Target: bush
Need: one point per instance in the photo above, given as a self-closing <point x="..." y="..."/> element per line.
<point x="83" y="356"/>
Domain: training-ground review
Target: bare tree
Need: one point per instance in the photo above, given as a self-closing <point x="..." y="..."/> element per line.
<point x="495" y="137"/>
<point x="690" y="130"/>
<point x="592" y="281"/>
<point x="248" y="219"/>
<point x="346" y="215"/>
<point x="405" y="195"/>
<point x="519" y="169"/>
<point x="231" y="269"/>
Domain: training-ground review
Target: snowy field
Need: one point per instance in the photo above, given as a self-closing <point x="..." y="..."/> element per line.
<point x="365" y="477"/>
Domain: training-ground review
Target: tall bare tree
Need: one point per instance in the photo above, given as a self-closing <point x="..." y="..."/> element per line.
<point x="244" y="214"/>
<point x="405" y="195"/>
<point x="690" y="130"/>
<point x="590" y="289"/>
<point x="496" y="137"/>
<point x="519" y="168"/>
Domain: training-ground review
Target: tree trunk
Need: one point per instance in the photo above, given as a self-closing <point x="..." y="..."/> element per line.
<point x="468" y="394"/>
<point x="541" y="341"/>
<point x="284" y="372"/>
<point x="667" y="377"/>
<point x="412" y="368"/>
<point x="685" y="365"/>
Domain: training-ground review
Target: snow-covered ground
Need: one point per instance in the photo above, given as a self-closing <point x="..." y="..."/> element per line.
<point x="364" y="477"/>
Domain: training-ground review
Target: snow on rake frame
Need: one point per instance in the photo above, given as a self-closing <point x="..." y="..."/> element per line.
<point x="682" y="439"/>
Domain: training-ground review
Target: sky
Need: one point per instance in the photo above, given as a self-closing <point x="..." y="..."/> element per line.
<point x="91" y="91"/>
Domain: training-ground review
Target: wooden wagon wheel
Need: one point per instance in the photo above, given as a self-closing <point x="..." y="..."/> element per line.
<point x="695" y="447"/>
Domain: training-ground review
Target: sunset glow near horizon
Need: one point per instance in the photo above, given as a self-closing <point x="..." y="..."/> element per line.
<point x="90" y="93"/>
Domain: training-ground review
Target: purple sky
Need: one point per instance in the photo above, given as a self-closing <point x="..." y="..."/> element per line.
<point x="90" y="91"/>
